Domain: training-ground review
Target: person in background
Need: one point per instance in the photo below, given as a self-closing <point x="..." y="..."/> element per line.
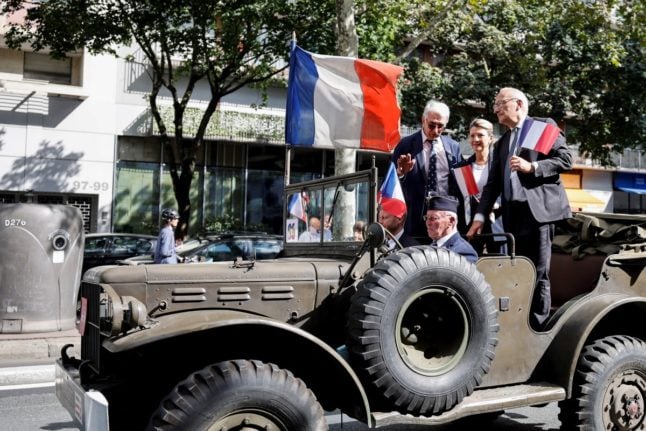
<point x="442" y="227"/>
<point x="313" y="232"/>
<point x="424" y="161"/>
<point x="327" y="228"/>
<point x="165" y="250"/>
<point x="533" y="196"/>
<point x="357" y="230"/>
<point x="394" y="220"/>
<point x="481" y="139"/>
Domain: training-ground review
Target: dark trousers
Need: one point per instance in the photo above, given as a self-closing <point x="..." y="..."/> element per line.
<point x="534" y="241"/>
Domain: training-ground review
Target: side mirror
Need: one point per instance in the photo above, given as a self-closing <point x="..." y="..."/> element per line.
<point x="375" y="235"/>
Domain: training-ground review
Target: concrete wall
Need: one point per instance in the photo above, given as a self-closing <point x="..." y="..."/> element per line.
<point x="58" y="138"/>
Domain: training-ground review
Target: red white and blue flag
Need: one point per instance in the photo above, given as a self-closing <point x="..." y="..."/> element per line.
<point x="341" y="102"/>
<point x="466" y="181"/>
<point x="538" y="136"/>
<point x="391" y="196"/>
<point x="296" y="207"/>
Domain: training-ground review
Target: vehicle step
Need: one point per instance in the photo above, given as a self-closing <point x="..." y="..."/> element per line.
<point x="480" y="401"/>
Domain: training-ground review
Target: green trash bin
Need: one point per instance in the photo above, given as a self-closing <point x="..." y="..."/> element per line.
<point x="41" y="253"/>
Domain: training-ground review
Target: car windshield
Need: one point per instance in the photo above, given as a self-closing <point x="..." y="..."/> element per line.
<point x="329" y="212"/>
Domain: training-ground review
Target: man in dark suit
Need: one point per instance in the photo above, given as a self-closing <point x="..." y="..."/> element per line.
<point x="442" y="226"/>
<point x="533" y="197"/>
<point x="417" y="156"/>
<point x="393" y="218"/>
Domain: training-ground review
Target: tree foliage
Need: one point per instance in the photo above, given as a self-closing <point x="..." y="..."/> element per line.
<point x="580" y="62"/>
<point x="227" y="43"/>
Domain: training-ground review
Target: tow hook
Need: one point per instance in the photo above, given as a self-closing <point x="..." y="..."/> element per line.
<point x="66" y="359"/>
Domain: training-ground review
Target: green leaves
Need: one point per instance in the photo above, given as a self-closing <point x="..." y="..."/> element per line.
<point x="579" y="61"/>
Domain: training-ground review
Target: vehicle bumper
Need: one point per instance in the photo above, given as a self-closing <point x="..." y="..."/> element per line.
<point x="89" y="409"/>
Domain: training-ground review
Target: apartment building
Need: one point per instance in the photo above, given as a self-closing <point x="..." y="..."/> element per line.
<point x="79" y="131"/>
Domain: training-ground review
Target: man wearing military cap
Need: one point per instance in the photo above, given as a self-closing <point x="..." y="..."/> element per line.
<point x="442" y="226"/>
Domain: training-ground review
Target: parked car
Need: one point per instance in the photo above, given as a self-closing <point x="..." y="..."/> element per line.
<point x="223" y="247"/>
<point x="108" y="248"/>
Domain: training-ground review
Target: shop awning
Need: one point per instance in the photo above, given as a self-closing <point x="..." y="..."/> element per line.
<point x="631" y="182"/>
<point x="582" y="200"/>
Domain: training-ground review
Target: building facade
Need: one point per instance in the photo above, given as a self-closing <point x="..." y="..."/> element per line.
<point x="79" y="131"/>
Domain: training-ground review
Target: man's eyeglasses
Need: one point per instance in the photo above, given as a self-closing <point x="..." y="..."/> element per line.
<point x="433" y="125"/>
<point x="433" y="218"/>
<point x="499" y="103"/>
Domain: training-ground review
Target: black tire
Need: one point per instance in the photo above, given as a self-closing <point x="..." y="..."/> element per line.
<point x="240" y="394"/>
<point x="422" y="329"/>
<point x="609" y="390"/>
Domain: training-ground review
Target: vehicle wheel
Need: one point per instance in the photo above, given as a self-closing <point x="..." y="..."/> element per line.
<point x="240" y="395"/>
<point x="609" y="390"/>
<point x="423" y="328"/>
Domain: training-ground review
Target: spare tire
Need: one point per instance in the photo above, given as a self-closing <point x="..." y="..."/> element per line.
<point x="422" y="329"/>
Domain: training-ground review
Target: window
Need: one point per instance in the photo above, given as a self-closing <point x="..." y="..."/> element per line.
<point x="45" y="68"/>
<point x="267" y="248"/>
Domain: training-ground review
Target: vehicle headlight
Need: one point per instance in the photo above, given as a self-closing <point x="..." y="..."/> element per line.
<point x="120" y="313"/>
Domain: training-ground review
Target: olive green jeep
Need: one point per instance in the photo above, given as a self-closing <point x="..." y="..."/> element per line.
<point x="388" y="336"/>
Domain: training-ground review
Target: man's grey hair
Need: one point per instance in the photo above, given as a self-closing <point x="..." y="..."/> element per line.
<point x="516" y="93"/>
<point x="452" y="214"/>
<point x="437" y="107"/>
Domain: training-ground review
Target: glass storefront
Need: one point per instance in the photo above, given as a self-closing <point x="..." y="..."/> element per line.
<point x="237" y="186"/>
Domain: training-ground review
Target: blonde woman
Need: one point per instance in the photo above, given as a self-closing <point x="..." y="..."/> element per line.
<point x="481" y="139"/>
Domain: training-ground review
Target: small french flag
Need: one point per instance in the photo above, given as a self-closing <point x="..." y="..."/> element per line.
<point x="391" y="196"/>
<point x="466" y="180"/>
<point x="538" y="136"/>
<point x="297" y="207"/>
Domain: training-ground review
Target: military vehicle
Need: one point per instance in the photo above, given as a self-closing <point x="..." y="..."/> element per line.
<point x="412" y="335"/>
<point x="41" y="255"/>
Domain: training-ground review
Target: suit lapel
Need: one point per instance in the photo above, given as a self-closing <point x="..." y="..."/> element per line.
<point x="448" y="151"/>
<point x="450" y="243"/>
<point x="419" y="157"/>
<point x="504" y="152"/>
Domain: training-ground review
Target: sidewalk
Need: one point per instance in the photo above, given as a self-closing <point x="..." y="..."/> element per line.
<point x="29" y="358"/>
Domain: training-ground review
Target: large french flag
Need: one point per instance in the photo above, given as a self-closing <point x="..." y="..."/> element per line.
<point x="538" y="135"/>
<point x="391" y="196"/>
<point x="341" y="102"/>
<point x="466" y="181"/>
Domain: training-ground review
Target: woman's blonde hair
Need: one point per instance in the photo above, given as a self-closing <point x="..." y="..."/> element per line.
<point x="481" y="123"/>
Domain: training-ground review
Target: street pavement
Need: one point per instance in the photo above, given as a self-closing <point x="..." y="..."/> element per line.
<point x="29" y="358"/>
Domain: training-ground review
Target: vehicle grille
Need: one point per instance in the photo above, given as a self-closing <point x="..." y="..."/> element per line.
<point x="91" y="340"/>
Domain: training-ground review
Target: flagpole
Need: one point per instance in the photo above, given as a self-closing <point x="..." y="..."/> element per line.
<point x="288" y="152"/>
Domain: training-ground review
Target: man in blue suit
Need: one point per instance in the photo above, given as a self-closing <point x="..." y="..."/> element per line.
<point x="424" y="163"/>
<point x="441" y="225"/>
<point x="533" y="196"/>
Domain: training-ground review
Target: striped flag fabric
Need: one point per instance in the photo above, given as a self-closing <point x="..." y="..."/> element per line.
<point x="466" y="181"/>
<point x="390" y="196"/>
<point x="341" y="102"/>
<point x="538" y="135"/>
<point x="296" y="207"/>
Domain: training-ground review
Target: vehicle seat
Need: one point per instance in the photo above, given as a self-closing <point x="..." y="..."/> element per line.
<point x="570" y="277"/>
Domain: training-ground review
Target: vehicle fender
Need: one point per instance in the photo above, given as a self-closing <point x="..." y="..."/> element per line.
<point x="219" y="323"/>
<point x="593" y="317"/>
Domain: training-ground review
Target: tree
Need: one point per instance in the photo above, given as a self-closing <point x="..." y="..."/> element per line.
<point x="228" y="43"/>
<point x="578" y="61"/>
